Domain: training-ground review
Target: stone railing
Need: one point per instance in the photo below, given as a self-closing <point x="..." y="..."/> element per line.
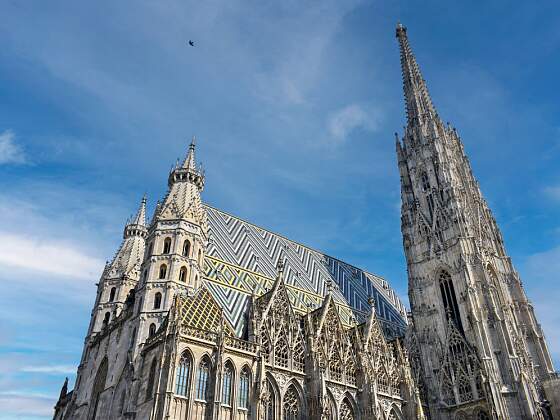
<point x="240" y="344"/>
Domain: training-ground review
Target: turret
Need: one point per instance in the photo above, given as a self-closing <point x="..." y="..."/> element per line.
<point x="176" y="243"/>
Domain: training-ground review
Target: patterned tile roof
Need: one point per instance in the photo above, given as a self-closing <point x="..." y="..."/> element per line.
<point x="242" y="259"/>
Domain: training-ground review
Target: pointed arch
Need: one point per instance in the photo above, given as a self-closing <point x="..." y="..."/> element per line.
<point x="330" y="406"/>
<point x="228" y="379"/>
<point x="157" y="300"/>
<point x="112" y="294"/>
<point x="167" y="246"/>
<point x="151" y="329"/>
<point x="203" y="379"/>
<point x="151" y="380"/>
<point x="162" y="271"/>
<point x="183" y="274"/>
<point x="449" y="297"/>
<point x="347" y="409"/>
<point x="292" y="404"/>
<point x="244" y="387"/>
<point x="270" y="399"/>
<point x="186" y="248"/>
<point x="183" y="374"/>
<point x="99" y="385"/>
<point x="395" y="414"/>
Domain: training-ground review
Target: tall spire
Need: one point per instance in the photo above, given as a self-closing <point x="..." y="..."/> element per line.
<point x="188" y="171"/>
<point x="137" y="225"/>
<point x="418" y="102"/>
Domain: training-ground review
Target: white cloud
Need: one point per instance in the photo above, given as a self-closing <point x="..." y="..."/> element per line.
<point x="18" y="404"/>
<point x="10" y="151"/>
<point x="50" y="369"/>
<point x="342" y="122"/>
<point x="43" y="255"/>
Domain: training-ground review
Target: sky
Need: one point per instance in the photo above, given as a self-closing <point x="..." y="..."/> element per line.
<point x="294" y="105"/>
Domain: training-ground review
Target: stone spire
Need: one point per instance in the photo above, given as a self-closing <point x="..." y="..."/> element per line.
<point x="417" y="99"/>
<point x="137" y="225"/>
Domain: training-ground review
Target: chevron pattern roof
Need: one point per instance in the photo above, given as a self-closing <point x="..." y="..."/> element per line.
<point x="242" y="258"/>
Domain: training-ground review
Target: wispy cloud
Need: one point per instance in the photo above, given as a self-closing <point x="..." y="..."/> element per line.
<point x="25" y="405"/>
<point x="352" y="117"/>
<point x="10" y="150"/>
<point x="43" y="255"/>
<point x="50" y="369"/>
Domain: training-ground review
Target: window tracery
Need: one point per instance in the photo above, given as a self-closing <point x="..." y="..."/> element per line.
<point x="269" y="402"/>
<point x="202" y="380"/>
<point x="281" y="352"/>
<point x="244" y="381"/>
<point x="346" y="410"/>
<point x="182" y="381"/>
<point x="292" y="404"/>
<point x="449" y="298"/>
<point x="227" y="384"/>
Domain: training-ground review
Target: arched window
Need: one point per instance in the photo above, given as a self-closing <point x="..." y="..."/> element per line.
<point x="167" y="246"/>
<point x="112" y="294"/>
<point x="227" y="384"/>
<point x="182" y="381"/>
<point x="157" y="300"/>
<point x="292" y="404"/>
<point x="449" y="298"/>
<point x="482" y="415"/>
<point x="346" y="410"/>
<point x="183" y="274"/>
<point x="425" y="181"/>
<point x="269" y="401"/>
<point x="151" y="330"/>
<point x="132" y="338"/>
<point x="199" y="258"/>
<point x="281" y="355"/>
<point x="99" y="385"/>
<point x="202" y="380"/>
<point x="244" y="381"/>
<point x="162" y="271"/>
<point x="151" y="379"/>
<point x="106" y="319"/>
<point x="186" y="248"/>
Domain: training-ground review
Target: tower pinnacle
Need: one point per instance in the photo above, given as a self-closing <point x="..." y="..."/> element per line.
<point x="137" y="225"/>
<point x="417" y="98"/>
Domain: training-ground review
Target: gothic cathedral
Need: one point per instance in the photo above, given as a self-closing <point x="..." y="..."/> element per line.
<point x="202" y="315"/>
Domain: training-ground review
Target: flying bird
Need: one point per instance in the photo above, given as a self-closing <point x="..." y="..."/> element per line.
<point x="191" y="43"/>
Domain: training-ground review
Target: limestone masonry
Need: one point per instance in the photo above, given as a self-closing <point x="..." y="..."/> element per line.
<point x="201" y="315"/>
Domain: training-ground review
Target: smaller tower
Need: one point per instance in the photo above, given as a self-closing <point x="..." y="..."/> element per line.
<point x="121" y="275"/>
<point x="175" y="244"/>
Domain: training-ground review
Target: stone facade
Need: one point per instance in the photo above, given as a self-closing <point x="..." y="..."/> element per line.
<point x="201" y="315"/>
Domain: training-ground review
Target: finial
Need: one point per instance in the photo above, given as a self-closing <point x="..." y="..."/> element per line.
<point x="329" y="286"/>
<point x="400" y="29"/>
<point x="193" y="142"/>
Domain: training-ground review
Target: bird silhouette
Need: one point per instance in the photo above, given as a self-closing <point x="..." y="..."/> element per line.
<point x="191" y="43"/>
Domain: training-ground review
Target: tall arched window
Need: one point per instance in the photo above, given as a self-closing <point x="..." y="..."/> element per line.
<point x="132" y="338"/>
<point x="425" y="181"/>
<point x="269" y="402"/>
<point x="292" y="404"/>
<point x="186" y="248"/>
<point x="449" y="298"/>
<point x="244" y="381"/>
<point x="202" y="380"/>
<point x="346" y="410"/>
<point x="182" y="380"/>
<point x="151" y="380"/>
<point x="112" y="294"/>
<point x="167" y="246"/>
<point x="199" y="258"/>
<point x="106" y="319"/>
<point x="157" y="300"/>
<point x="151" y="330"/>
<point x="99" y="384"/>
<point x="162" y="271"/>
<point x="183" y="274"/>
<point x="227" y="384"/>
<point x="281" y="355"/>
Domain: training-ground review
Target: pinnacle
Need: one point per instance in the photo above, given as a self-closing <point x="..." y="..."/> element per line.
<point x="189" y="162"/>
<point x="140" y="218"/>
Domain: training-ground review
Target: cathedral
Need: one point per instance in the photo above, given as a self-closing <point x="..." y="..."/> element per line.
<point x="202" y="315"/>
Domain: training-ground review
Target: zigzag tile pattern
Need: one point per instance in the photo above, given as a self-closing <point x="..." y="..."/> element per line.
<point x="242" y="260"/>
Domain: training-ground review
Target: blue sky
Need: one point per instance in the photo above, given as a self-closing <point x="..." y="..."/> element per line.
<point x="294" y="105"/>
